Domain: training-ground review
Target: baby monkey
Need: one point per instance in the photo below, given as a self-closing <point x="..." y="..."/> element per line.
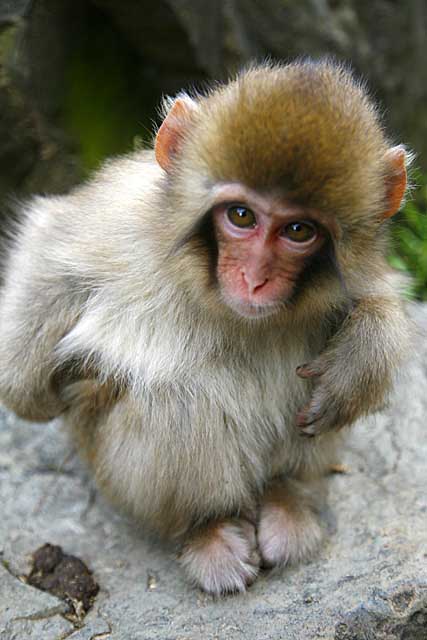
<point x="208" y="315"/>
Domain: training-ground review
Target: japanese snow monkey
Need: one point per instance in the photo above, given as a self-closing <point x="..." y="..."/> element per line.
<point x="207" y="315"/>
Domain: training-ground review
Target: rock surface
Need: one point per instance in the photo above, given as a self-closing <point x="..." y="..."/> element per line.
<point x="368" y="583"/>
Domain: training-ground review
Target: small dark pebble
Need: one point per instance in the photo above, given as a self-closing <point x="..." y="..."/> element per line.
<point x="64" y="576"/>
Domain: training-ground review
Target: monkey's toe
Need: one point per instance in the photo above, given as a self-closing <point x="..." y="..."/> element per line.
<point x="222" y="557"/>
<point x="287" y="536"/>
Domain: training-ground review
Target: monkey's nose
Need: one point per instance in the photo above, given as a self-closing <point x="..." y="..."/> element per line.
<point x="254" y="283"/>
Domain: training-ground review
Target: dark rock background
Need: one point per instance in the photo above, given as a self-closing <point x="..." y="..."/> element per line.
<point x="81" y="79"/>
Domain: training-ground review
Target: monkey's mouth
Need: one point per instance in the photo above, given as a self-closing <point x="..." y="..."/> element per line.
<point x="253" y="310"/>
<point x="257" y="305"/>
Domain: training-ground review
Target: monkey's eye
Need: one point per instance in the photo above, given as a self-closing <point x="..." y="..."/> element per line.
<point x="299" y="231"/>
<point x="241" y="217"/>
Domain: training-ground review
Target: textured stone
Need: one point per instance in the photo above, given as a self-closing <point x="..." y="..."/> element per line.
<point x="11" y="10"/>
<point x="28" y="613"/>
<point x="368" y="583"/>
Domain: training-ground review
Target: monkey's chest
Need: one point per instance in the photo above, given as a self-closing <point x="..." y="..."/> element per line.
<point x="217" y="437"/>
<point x="247" y="408"/>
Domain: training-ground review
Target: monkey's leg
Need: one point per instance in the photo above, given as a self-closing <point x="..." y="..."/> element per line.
<point x="289" y="529"/>
<point x="222" y="557"/>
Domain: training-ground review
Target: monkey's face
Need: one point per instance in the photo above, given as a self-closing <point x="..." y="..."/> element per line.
<point x="264" y="246"/>
<point x="308" y="130"/>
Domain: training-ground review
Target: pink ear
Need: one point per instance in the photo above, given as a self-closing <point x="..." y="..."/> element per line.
<point x="170" y="134"/>
<point x="396" y="180"/>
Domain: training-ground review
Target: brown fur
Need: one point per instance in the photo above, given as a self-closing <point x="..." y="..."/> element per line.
<point x="311" y="110"/>
<point x="186" y="411"/>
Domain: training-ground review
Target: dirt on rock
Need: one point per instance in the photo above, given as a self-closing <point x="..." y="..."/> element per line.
<point x="64" y="576"/>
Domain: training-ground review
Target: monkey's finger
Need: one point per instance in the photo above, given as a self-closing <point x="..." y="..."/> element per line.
<point x="322" y="417"/>
<point x="310" y="370"/>
<point x="306" y="424"/>
<point x="302" y="418"/>
<point x="312" y="419"/>
<point x="306" y="434"/>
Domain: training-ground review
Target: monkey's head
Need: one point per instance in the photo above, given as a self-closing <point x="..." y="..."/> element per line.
<point x="285" y="177"/>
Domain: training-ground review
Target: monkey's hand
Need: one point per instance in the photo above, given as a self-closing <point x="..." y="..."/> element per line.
<point x="338" y="398"/>
<point x="354" y="374"/>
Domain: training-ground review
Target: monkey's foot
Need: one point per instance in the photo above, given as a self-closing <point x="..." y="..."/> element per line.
<point x="289" y="530"/>
<point x="222" y="557"/>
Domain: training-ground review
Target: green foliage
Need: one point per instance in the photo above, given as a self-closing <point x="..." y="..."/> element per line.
<point x="107" y="103"/>
<point x="409" y="234"/>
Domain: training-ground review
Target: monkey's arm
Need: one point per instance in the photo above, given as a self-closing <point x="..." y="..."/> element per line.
<point x="354" y="374"/>
<point x="66" y="247"/>
<point x="32" y="322"/>
<point x="38" y="306"/>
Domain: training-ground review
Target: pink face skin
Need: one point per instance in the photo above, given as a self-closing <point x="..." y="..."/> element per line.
<point x="259" y="265"/>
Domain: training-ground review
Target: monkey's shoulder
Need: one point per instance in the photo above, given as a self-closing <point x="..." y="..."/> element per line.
<point x="90" y="229"/>
<point x="114" y="189"/>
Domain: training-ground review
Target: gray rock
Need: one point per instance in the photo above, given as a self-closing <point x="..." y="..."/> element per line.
<point x="368" y="583"/>
<point x="26" y="612"/>
<point x="11" y="10"/>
